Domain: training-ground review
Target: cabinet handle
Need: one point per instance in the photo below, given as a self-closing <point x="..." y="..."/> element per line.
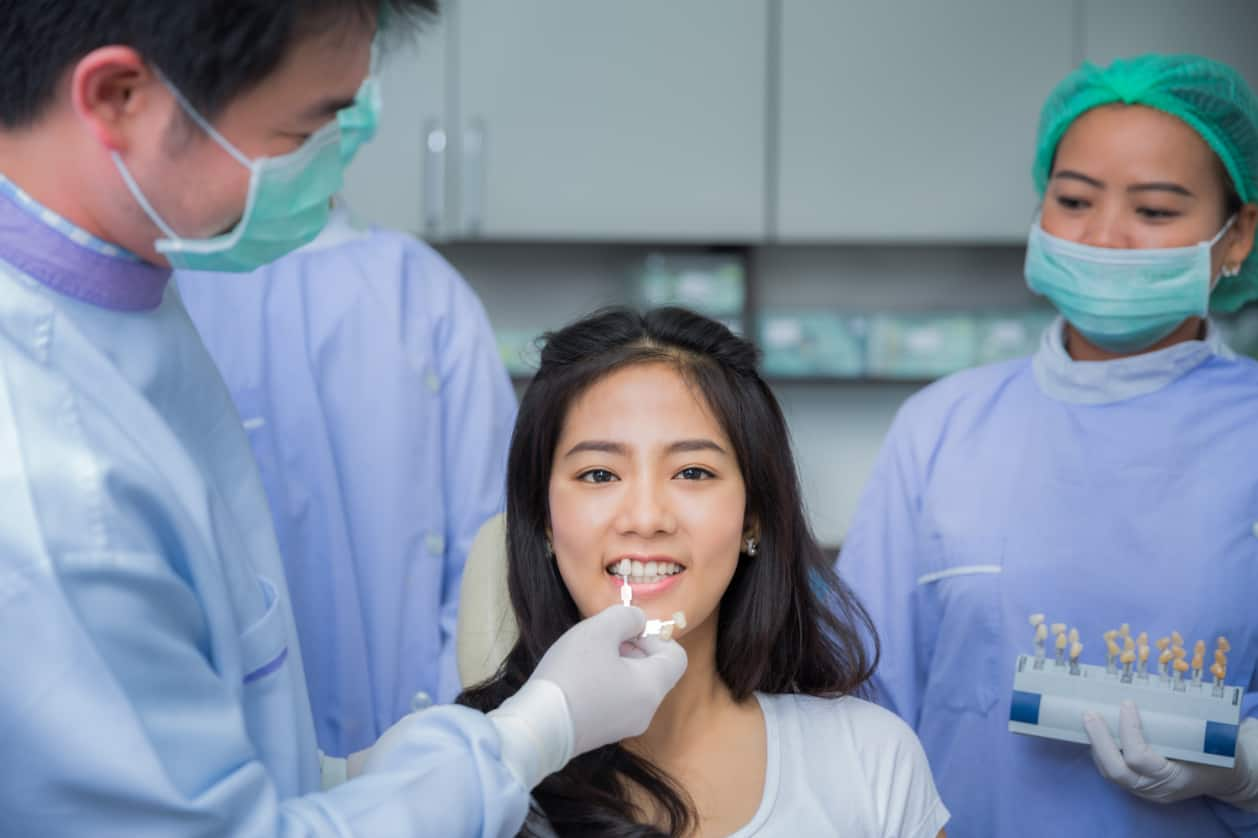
<point x="434" y="176"/>
<point x="474" y="142"/>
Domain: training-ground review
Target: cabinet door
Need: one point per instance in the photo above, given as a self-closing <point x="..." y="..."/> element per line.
<point x="398" y="179"/>
<point x="1225" y="30"/>
<point x="606" y="119"/>
<point x="913" y="119"/>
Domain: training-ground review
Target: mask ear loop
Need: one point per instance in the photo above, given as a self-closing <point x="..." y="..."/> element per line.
<point x="203" y="123"/>
<point x="134" y="187"/>
<point x="138" y="194"/>
<point x="1218" y="237"/>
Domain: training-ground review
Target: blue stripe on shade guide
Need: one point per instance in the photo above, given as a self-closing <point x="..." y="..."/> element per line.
<point x="1220" y="739"/>
<point x="1025" y="708"/>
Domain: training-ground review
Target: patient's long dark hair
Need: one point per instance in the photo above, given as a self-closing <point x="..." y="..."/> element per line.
<point x="786" y="623"/>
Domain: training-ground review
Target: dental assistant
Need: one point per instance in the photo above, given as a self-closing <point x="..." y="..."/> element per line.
<point x="151" y="682"/>
<point x="1108" y="479"/>
<point x="369" y="383"/>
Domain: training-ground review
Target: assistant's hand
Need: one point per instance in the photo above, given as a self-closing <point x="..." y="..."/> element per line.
<point x="1149" y="775"/>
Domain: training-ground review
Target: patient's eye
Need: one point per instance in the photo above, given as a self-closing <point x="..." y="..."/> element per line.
<point x="695" y="473"/>
<point x="596" y="475"/>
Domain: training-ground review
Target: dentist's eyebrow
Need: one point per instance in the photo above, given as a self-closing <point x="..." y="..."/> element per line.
<point x="326" y="108"/>
<point x="598" y="445"/>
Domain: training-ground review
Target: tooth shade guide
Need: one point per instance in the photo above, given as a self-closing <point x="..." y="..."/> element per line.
<point x="1163" y="643"/>
<point x="1144" y="654"/>
<point x="1128" y="643"/>
<point x="1223" y="645"/>
<point x="1036" y="620"/>
<point x="664" y="628"/>
<point x="1058" y="628"/>
<point x="1050" y="702"/>
<point x="1061" y="641"/>
<point x="1041" y="633"/>
<point x="1074" y="636"/>
<point x="1177" y="639"/>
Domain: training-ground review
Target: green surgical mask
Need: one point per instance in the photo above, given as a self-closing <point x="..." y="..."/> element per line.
<point x="358" y="122"/>
<point x="1121" y="300"/>
<point x="287" y="205"/>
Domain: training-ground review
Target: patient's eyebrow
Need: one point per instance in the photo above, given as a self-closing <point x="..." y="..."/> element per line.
<point x="695" y="445"/>
<point x="604" y="446"/>
<point x="599" y="445"/>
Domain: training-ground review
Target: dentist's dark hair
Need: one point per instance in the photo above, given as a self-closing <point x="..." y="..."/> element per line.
<point x="786" y="623"/>
<point x="212" y="50"/>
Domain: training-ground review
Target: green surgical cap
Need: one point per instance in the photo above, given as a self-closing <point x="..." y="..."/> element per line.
<point x="1211" y="97"/>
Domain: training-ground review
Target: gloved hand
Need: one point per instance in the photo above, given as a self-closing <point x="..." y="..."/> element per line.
<point x="612" y="692"/>
<point x="1147" y="774"/>
<point x="596" y="685"/>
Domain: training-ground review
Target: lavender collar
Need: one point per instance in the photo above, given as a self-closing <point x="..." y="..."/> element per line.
<point x="53" y="258"/>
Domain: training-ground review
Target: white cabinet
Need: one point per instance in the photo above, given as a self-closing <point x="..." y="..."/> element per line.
<point x="612" y="120"/>
<point x="914" y="119"/>
<point x="1225" y="30"/>
<point x="398" y="178"/>
<point x="745" y="120"/>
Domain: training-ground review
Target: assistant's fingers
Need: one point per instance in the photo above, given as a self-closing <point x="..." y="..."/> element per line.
<point x="1104" y="750"/>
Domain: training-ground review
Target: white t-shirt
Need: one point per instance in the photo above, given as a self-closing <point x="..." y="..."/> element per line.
<point x="842" y="766"/>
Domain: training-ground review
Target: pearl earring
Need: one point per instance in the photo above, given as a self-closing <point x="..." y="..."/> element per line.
<point x="1231" y="270"/>
<point x="750" y="547"/>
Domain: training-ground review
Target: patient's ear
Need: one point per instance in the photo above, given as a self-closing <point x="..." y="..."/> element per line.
<point x="751" y="538"/>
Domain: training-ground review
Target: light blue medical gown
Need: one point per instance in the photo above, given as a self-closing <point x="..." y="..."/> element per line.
<point x="380" y="414"/>
<point x="1099" y="494"/>
<point x="151" y="683"/>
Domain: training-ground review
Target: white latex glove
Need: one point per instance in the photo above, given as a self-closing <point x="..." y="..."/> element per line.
<point x="1147" y="774"/>
<point x="596" y="685"/>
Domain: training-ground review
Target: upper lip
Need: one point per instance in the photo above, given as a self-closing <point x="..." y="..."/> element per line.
<point x="643" y="559"/>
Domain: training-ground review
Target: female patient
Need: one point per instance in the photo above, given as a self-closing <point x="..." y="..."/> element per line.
<point x="652" y="439"/>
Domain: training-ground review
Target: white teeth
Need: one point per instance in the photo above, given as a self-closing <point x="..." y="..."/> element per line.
<point x="640" y="573"/>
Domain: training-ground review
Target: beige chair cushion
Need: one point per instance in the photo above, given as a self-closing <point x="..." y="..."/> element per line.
<point x="487" y="629"/>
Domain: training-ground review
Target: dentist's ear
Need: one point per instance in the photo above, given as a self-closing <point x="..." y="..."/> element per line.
<point x="114" y="93"/>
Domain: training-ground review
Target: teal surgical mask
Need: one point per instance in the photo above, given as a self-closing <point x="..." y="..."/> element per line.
<point x="287" y="205"/>
<point x="1121" y="300"/>
<point x="358" y="122"/>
